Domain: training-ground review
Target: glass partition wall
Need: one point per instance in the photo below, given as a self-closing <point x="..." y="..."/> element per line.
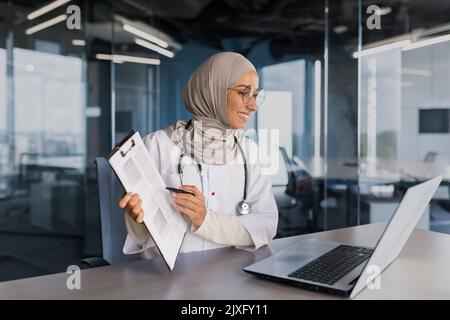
<point x="386" y="110"/>
<point x="43" y="140"/>
<point x="55" y="100"/>
<point x="404" y="107"/>
<point x="339" y="162"/>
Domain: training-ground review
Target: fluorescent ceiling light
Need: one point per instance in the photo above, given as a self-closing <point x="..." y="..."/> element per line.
<point x="78" y="42"/>
<point x="145" y="35"/>
<point x="103" y="56"/>
<point x="154" y="47"/>
<point x="382" y="48"/>
<point x="436" y="30"/>
<point x="427" y="42"/>
<point x="339" y="29"/>
<point x="46" y="24"/>
<point x="47" y="8"/>
<point x="117" y="58"/>
<point x="93" y="112"/>
<point x="417" y="72"/>
<point x="384" y="11"/>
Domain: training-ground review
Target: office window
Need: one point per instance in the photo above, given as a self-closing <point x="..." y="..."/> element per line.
<point x="49" y="95"/>
<point x="285" y="101"/>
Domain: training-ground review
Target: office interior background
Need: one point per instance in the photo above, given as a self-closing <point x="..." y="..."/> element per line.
<point x="363" y="110"/>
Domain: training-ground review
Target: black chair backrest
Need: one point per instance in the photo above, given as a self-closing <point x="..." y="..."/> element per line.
<point x="299" y="180"/>
<point x="430" y="157"/>
<point x="112" y="217"/>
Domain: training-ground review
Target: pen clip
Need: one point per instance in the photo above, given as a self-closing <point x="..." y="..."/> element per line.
<point x="124" y="153"/>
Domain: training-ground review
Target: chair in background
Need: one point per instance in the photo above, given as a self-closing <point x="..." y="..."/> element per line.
<point x="112" y="218"/>
<point x="442" y="195"/>
<point x="430" y="157"/>
<point x="299" y="180"/>
<point x="295" y="204"/>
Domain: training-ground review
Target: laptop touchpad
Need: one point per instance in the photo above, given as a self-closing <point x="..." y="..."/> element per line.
<point x="303" y="251"/>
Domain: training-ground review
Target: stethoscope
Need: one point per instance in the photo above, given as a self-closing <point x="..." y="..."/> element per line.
<point x="243" y="207"/>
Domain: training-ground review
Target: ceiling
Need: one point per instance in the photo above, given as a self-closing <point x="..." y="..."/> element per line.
<point x="287" y="26"/>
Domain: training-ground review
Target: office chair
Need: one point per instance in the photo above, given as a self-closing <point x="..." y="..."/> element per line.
<point x="299" y="180"/>
<point x="111" y="218"/>
<point x="430" y="157"/>
<point x="296" y="204"/>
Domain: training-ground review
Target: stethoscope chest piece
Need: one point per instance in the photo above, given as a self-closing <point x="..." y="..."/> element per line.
<point x="243" y="207"/>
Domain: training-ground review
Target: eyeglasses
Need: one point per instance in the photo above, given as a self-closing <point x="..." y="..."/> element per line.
<point x="246" y="92"/>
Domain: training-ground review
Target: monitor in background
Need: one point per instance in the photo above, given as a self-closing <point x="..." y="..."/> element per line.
<point x="434" y="120"/>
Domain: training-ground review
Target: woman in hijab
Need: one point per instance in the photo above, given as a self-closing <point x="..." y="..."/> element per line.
<point x="232" y="202"/>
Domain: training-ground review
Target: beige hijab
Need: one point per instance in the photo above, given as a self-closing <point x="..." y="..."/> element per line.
<point x="208" y="137"/>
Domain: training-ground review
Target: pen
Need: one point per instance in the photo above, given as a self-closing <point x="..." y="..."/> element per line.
<point x="180" y="191"/>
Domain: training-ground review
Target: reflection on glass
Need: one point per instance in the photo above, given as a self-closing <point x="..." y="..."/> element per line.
<point x="43" y="146"/>
<point x="136" y="103"/>
<point x="4" y="148"/>
<point x="404" y="118"/>
<point x="380" y="116"/>
<point x="48" y="95"/>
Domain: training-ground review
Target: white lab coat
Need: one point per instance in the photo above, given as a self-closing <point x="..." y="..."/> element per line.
<point x="223" y="188"/>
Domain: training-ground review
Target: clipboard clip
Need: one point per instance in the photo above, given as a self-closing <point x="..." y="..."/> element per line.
<point x="124" y="153"/>
<point x="121" y="144"/>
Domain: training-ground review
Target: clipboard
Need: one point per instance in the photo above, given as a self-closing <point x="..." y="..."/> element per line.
<point x="120" y="144"/>
<point x="137" y="172"/>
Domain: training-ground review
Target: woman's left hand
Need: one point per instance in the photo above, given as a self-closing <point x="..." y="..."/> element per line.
<point x="192" y="206"/>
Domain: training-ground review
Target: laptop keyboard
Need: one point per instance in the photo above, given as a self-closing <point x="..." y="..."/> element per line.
<point x="333" y="265"/>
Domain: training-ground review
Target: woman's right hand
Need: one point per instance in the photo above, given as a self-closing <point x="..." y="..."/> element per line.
<point x="132" y="205"/>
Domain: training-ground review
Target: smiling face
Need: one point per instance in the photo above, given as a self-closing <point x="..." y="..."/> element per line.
<point x="238" y="111"/>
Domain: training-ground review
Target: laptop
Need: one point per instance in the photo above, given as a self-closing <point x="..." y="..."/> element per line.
<point x="344" y="269"/>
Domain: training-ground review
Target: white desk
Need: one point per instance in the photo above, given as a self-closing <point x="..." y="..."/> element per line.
<point x="420" y="272"/>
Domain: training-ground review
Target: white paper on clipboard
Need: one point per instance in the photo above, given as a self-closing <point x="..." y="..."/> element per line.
<point x="138" y="174"/>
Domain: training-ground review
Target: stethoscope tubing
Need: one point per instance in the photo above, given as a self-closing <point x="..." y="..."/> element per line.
<point x="243" y="206"/>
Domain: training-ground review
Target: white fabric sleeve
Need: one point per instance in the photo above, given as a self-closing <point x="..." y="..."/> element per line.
<point x="223" y="229"/>
<point x="139" y="240"/>
<point x="137" y="231"/>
